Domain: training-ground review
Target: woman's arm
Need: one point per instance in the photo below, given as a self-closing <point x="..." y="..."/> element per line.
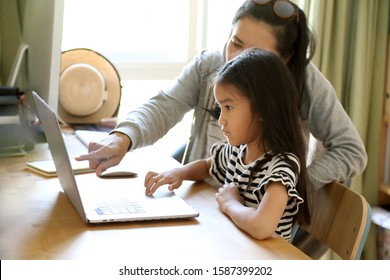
<point x="345" y="155"/>
<point x="157" y="116"/>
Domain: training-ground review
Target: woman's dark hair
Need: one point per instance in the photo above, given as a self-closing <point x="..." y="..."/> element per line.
<point x="262" y="78"/>
<point x="295" y="41"/>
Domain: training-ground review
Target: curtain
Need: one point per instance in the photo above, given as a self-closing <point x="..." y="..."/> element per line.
<point x="1" y="31"/>
<point x="10" y="34"/>
<point x="351" y="53"/>
<point x="1" y="68"/>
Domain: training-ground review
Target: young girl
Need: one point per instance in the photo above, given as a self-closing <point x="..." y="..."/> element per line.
<point x="262" y="167"/>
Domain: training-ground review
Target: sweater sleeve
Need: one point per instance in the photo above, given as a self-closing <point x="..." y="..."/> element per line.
<point x="158" y="115"/>
<point x="345" y="155"/>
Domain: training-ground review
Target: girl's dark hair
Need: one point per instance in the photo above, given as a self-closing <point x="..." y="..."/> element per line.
<point x="295" y="41"/>
<point x="266" y="82"/>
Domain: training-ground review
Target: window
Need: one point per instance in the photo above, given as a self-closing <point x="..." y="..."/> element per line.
<point x="147" y="39"/>
<point x="217" y="20"/>
<point x="129" y="30"/>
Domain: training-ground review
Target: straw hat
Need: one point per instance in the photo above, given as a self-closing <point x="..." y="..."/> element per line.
<point x="90" y="87"/>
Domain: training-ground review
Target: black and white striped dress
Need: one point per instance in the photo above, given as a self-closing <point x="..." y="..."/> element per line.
<point x="227" y="167"/>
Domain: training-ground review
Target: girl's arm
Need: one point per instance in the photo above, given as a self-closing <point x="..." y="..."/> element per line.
<point x="194" y="171"/>
<point x="260" y="222"/>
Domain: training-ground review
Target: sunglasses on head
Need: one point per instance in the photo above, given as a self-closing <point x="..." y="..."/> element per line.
<point x="282" y="8"/>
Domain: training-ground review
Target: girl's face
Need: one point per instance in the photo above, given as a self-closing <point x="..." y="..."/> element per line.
<point x="237" y="121"/>
<point x="249" y="33"/>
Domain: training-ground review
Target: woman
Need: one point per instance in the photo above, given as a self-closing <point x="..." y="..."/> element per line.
<point x="276" y="26"/>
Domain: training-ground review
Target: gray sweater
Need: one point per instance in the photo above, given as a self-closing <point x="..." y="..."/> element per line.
<point x="336" y="151"/>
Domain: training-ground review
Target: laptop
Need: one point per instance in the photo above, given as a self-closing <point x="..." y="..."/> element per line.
<point x="100" y="200"/>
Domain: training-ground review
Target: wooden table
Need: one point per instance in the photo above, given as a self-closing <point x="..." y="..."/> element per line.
<point x="37" y="221"/>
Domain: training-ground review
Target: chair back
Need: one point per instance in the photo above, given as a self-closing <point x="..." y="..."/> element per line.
<point x="341" y="219"/>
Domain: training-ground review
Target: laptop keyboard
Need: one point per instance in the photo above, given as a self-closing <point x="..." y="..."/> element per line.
<point x="120" y="206"/>
<point x="87" y="136"/>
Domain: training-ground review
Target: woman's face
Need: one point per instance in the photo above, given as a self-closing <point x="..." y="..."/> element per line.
<point x="249" y="33"/>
